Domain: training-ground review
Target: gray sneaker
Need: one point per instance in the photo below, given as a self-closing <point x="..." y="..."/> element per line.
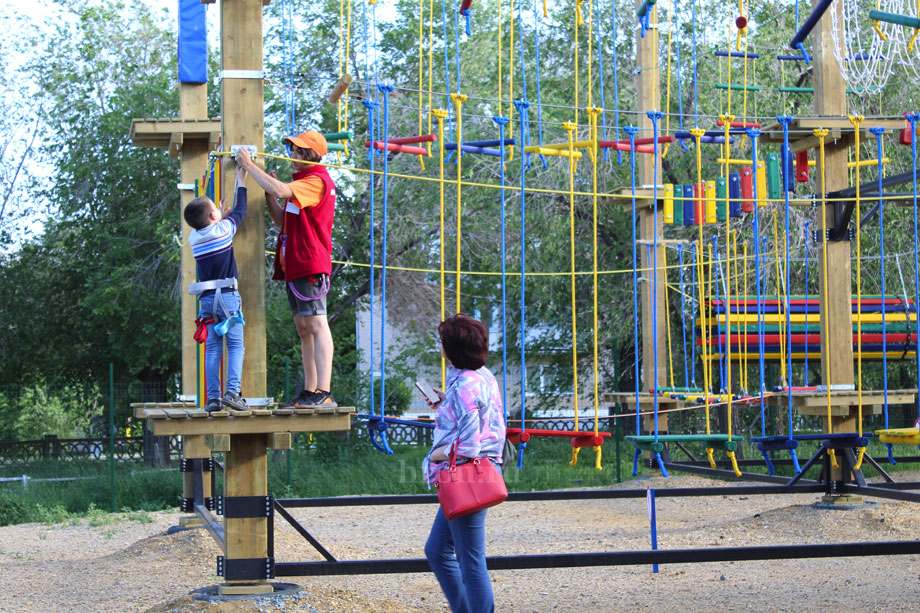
<point x="234" y="401"/>
<point x="212" y="405"/>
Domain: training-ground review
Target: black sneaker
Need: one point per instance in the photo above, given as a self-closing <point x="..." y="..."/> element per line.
<point x="234" y="401"/>
<point x="212" y="405"/>
<point x="323" y="399"/>
<point x="302" y="399"/>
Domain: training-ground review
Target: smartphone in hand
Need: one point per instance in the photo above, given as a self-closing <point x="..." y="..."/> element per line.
<point x="426" y="390"/>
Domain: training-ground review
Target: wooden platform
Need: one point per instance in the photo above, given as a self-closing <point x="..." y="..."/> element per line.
<point x="170" y="134"/>
<point x="646" y="400"/>
<point x="842" y="402"/>
<point x="801" y="137"/>
<point x="168" y="421"/>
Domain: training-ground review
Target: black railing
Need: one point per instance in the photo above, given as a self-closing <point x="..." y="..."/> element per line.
<point x="54" y="448"/>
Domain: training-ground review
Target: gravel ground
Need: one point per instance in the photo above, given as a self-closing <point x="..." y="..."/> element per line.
<point x="133" y="565"/>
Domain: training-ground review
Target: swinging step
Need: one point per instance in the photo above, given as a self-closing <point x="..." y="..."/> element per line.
<point x="579" y="438"/>
<point x="899" y="436"/>
<point x="647" y="442"/>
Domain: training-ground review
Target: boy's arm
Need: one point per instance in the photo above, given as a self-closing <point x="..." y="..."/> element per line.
<point x="270" y="184"/>
<point x="239" y="210"/>
<point x="275" y="211"/>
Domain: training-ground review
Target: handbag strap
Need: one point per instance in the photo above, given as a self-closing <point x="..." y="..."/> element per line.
<point x="453" y="453"/>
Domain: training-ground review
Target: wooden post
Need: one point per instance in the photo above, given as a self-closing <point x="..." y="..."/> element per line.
<point x="193" y="162"/>
<point x="246" y="537"/>
<point x="837" y="342"/>
<point x="243" y="123"/>
<point x="193" y="447"/>
<point x="649" y="99"/>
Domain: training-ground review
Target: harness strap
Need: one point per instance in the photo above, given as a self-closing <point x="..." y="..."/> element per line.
<point x="202" y="286"/>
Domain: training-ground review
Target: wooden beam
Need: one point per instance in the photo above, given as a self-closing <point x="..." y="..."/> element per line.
<point x="243" y="123"/>
<point x="246" y="474"/>
<point x="256" y="425"/>
<point x="649" y="99"/>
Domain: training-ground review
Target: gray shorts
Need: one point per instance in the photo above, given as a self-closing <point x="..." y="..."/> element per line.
<point x="312" y="295"/>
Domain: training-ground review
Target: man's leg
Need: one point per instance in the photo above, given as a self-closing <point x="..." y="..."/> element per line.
<point x="307" y="350"/>
<point x="317" y="347"/>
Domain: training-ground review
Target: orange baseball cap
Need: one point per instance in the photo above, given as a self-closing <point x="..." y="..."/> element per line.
<point x="310" y="139"/>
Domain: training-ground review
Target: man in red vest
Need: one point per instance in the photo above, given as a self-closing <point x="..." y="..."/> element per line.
<point x="303" y="257"/>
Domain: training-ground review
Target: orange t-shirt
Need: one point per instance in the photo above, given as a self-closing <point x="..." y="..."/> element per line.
<point x="307" y="192"/>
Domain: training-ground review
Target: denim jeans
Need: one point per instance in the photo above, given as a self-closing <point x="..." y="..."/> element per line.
<point x="456" y="552"/>
<point x="214" y="347"/>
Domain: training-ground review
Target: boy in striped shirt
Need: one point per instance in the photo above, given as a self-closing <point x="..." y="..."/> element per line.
<point x="219" y="301"/>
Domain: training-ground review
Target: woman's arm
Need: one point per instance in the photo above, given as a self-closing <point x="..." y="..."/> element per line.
<point x="270" y="184"/>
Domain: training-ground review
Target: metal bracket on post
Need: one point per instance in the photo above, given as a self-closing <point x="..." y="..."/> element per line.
<point x="245" y="569"/>
<point x="250" y="148"/>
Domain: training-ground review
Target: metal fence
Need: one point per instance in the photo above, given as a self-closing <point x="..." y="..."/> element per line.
<point x="53" y="448"/>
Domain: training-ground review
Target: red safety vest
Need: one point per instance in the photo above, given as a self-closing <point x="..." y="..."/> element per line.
<point x="305" y="243"/>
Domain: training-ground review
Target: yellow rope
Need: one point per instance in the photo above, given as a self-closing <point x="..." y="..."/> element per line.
<point x="821" y="133"/>
<point x="667" y="319"/>
<point x="441" y="114"/>
<point x="593" y="113"/>
<point x="459" y="99"/>
<point x="667" y="96"/>
<point x="779" y="298"/>
<point x="570" y="130"/>
<point x="697" y="134"/>
<point x="578" y="21"/>
<point x="856" y="120"/>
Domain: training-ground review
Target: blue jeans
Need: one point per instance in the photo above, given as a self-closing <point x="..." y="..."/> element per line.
<point x="456" y="552"/>
<point x="214" y="347"/>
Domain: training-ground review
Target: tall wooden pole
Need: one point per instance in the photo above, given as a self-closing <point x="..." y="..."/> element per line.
<point x="837" y="336"/>
<point x="193" y="104"/>
<point x="649" y="99"/>
<point x="243" y="123"/>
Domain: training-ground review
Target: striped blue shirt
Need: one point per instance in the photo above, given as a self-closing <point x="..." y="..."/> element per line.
<point x="212" y="246"/>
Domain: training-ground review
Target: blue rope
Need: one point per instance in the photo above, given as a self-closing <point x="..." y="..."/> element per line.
<point x="631" y="131"/>
<point x="525" y="131"/>
<point x="655" y="116"/>
<point x="912" y="118"/>
<point x="683" y="312"/>
<point x="502" y="121"/>
<point x="878" y="131"/>
<point x="371" y="107"/>
<point x="521" y="106"/>
<point x="785" y="120"/>
<point x="385" y="89"/>
<point x="616" y="87"/>
<point x="753" y="133"/>
<point x="466" y="13"/>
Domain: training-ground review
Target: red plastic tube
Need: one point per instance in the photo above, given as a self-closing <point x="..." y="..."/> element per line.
<point x="618" y="146"/>
<point x="408" y="140"/>
<point x="465" y="4"/>
<point x="801" y="166"/>
<point x="747" y="189"/>
<point x="740" y="124"/>
<point x="391" y="146"/>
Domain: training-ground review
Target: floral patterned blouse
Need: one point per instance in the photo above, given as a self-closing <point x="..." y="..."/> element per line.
<point x="472" y="411"/>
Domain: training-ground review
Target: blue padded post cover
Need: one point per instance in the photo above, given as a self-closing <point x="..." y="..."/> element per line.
<point x="193" y="42"/>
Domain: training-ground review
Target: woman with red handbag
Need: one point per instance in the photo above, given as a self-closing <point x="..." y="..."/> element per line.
<point x="469" y="417"/>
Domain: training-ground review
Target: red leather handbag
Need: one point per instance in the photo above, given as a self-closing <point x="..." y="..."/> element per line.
<point x="469" y="487"/>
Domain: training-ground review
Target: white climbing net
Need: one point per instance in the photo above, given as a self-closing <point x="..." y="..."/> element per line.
<point x="906" y="39"/>
<point x="866" y="60"/>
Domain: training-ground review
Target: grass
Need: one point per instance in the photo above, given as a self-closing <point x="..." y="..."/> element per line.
<point x="330" y="465"/>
